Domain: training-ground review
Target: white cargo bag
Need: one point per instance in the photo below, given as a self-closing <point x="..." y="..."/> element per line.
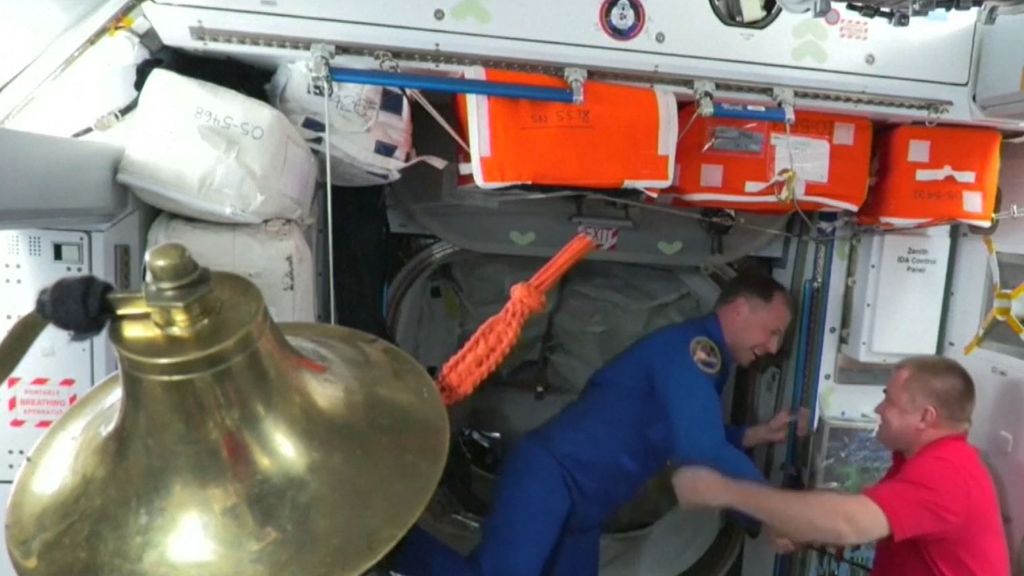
<point x="371" y="126"/>
<point x="200" y="150"/>
<point x="273" y="255"/>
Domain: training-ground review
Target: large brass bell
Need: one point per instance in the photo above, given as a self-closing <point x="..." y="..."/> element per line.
<point x="227" y="445"/>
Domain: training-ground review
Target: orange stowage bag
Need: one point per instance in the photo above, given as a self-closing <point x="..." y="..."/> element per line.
<point x="725" y="163"/>
<point x="619" y="137"/>
<point x="934" y="175"/>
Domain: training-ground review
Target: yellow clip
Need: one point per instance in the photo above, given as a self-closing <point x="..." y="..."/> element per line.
<point x="786" y="192"/>
<point x="1002" y="304"/>
<point x="125" y="23"/>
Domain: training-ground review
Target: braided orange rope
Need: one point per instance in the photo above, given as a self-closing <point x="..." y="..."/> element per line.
<point x="494" y="339"/>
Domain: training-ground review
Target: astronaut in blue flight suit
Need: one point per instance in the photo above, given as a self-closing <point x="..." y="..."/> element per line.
<point x="656" y="403"/>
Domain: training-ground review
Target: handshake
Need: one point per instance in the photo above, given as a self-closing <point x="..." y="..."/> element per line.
<point x="698" y="486"/>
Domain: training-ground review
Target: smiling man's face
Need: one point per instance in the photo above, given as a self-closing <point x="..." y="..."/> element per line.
<point x="758" y="328"/>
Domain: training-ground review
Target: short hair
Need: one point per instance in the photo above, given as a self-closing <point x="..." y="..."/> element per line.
<point x="944" y="383"/>
<point x="755" y="285"/>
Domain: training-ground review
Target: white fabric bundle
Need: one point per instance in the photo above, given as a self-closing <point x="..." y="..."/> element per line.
<point x="200" y="150"/>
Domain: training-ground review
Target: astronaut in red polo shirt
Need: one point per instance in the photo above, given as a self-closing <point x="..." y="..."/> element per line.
<point x="935" y="513"/>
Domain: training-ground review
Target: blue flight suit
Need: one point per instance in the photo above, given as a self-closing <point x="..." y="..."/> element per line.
<point x="657" y="403"/>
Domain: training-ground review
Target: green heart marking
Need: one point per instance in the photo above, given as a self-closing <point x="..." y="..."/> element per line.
<point x="809" y="49"/>
<point x="474" y="9"/>
<point x="522" y="238"/>
<point x="811" y="27"/>
<point x="670" y="248"/>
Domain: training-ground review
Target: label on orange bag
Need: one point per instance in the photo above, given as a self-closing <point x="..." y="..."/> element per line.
<point x="810" y="157"/>
<point x="577" y="118"/>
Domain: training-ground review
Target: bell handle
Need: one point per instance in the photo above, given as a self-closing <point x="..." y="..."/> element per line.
<point x="78" y="304"/>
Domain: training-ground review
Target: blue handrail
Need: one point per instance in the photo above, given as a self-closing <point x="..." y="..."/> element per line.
<point x="749" y="112"/>
<point x="451" y="85"/>
<point x="800" y="370"/>
<point x="829" y="248"/>
<point x="782" y="563"/>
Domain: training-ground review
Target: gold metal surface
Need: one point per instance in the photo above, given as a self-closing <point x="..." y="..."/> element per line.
<point x="230" y="446"/>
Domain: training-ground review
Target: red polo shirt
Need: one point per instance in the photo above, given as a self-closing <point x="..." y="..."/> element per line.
<point x="943" y="514"/>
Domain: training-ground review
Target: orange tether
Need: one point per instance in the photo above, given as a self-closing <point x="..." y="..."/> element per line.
<point x="494" y="339"/>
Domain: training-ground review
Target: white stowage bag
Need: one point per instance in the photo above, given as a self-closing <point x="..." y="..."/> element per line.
<point x="274" y="255"/>
<point x="371" y="126"/>
<point x="200" y="150"/>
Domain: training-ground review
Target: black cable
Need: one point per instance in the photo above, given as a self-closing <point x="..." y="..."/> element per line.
<point x="119" y="113"/>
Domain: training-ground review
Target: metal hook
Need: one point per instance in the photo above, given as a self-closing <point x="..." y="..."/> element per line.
<point x="576" y="78"/>
<point x="320" y="69"/>
<point x="786" y="100"/>
<point x="935" y="113"/>
<point x="387" y="61"/>
<point x="704" y="92"/>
